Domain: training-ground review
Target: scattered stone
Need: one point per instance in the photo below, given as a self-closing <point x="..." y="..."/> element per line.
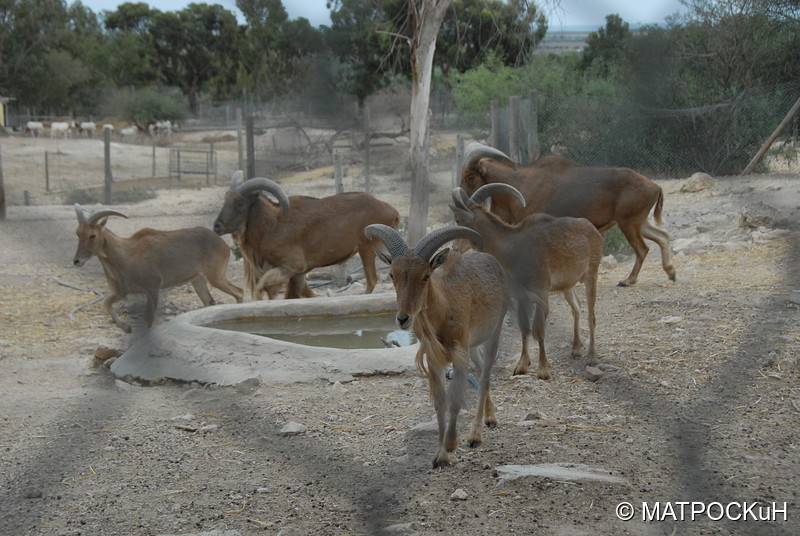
<point x="534" y="416"/>
<point x="289" y="531"/>
<point x="593" y="373"/>
<point x="608" y="262"/>
<point x="794" y="297"/>
<point x="669" y="320"/>
<point x="338" y="388"/>
<point x="425" y="428"/>
<point x="558" y="471"/>
<point x="459" y="495"/>
<point x="400" y="528"/>
<point x="247" y="386"/>
<point x="208" y="533"/>
<point x="757" y="215"/>
<point x="32" y="492"/>
<point x="209" y="428"/>
<point x="103" y="353"/>
<point x="293" y="428"/>
<point x="698" y="182"/>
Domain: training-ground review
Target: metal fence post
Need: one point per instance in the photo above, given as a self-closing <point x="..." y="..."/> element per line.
<point x="513" y="128"/>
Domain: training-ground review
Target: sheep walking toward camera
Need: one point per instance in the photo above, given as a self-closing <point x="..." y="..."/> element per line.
<point x="456" y="305"/>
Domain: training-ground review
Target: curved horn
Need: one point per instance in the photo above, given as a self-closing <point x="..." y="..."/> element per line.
<point x="481" y="194"/>
<point x="236" y="179"/>
<point x="475" y="151"/>
<point x="431" y="242"/>
<point x="81" y="213"/>
<point x="255" y="185"/>
<point x="393" y="240"/>
<point x="98" y="215"/>
<point x="460" y="198"/>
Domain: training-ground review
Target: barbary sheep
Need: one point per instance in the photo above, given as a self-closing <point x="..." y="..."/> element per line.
<point x="150" y="260"/>
<point x="455" y="303"/>
<point x="281" y="243"/>
<point x="554" y="185"/>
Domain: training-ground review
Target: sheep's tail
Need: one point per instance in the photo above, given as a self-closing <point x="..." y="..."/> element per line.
<point x="659" y="206"/>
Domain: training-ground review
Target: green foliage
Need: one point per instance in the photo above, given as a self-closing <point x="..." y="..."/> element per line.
<point x="491" y="80"/>
<point x="145" y="106"/>
<point x="615" y="243"/>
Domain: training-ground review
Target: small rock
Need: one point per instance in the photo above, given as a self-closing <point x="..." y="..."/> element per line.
<point x="698" y="182"/>
<point x="593" y="373"/>
<point x="400" y="528"/>
<point x="338" y="388"/>
<point x="247" y="386"/>
<point x="534" y="416"/>
<point x="32" y="493"/>
<point x="609" y="261"/>
<point x="425" y="428"/>
<point x="669" y="320"/>
<point x="102" y="353"/>
<point x="293" y="428"/>
<point x="209" y="428"/>
<point x="794" y="297"/>
<point x="459" y="495"/>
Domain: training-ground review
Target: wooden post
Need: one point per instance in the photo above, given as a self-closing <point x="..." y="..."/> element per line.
<point x="239" y="146"/>
<point x="513" y="128"/>
<point x="367" y="139"/>
<point x="2" y="191"/>
<point x="534" y="139"/>
<point x="46" y="172"/>
<point x="27" y="196"/>
<point x="108" y="178"/>
<point x="767" y="144"/>
<point x="338" y="172"/>
<point x="494" y="118"/>
<point x="251" y="148"/>
<point x="154" y="158"/>
<point x="459" y="160"/>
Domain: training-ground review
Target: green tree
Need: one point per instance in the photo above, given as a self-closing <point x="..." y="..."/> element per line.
<point x="130" y="61"/>
<point x="273" y="47"/>
<point x="195" y="49"/>
<point x="606" y="47"/>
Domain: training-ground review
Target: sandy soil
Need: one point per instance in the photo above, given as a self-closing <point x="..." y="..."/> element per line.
<point x="699" y="400"/>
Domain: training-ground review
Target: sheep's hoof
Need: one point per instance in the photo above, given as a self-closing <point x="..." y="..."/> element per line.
<point x="543" y="374"/>
<point x="475" y="443"/>
<point x="438" y="462"/>
<point x="626" y="283"/>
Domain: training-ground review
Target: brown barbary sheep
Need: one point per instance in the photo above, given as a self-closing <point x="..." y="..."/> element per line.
<point x="150" y="260"/>
<point x="456" y="305"/>
<point x="541" y="254"/>
<point x="557" y="186"/>
<point x="282" y="242"/>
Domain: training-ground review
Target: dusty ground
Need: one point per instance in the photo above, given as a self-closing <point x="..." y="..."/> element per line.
<point x="699" y="401"/>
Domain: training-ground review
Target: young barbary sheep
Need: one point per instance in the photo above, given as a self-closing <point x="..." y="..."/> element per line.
<point x="455" y="304"/>
<point x="150" y="260"/>
<point x="541" y="254"/>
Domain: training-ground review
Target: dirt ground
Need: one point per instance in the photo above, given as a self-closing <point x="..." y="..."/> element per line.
<point x="698" y="400"/>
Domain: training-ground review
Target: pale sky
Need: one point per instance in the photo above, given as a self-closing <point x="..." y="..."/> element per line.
<point x="571" y="12"/>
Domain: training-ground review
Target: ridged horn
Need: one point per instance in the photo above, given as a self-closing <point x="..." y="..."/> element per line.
<point x="81" y="213"/>
<point x="484" y="192"/>
<point x="393" y="240"/>
<point x="255" y="185"/>
<point x="460" y="198"/>
<point x="94" y="217"/>
<point x="236" y="179"/>
<point x="431" y="242"/>
<point x="475" y="151"/>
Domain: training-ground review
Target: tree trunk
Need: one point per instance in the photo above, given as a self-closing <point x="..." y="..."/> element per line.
<point x="427" y="19"/>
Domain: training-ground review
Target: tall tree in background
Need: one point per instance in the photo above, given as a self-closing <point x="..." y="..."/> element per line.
<point x="426" y="18"/>
<point x="195" y="49"/>
<point x="130" y="61"/>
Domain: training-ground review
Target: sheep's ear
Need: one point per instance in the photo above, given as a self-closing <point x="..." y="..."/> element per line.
<point x="439" y="258"/>
<point x="383" y="256"/>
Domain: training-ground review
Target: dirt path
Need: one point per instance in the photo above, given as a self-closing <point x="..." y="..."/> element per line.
<point x="699" y="400"/>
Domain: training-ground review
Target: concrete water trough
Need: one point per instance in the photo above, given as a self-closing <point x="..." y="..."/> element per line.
<point x="189" y="348"/>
